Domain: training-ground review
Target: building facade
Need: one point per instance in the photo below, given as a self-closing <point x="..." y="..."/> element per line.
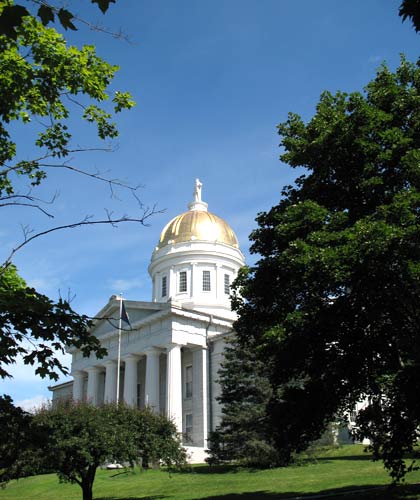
<point x="169" y="354"/>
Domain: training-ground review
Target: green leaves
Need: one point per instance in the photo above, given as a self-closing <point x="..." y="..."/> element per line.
<point x="11" y="18"/>
<point x="97" y="115"/>
<point x="333" y="305"/>
<point x="411" y="9"/>
<point x="103" y="4"/>
<point x="55" y="139"/>
<point x="37" y="328"/>
<point x="122" y="100"/>
<point x="46" y="14"/>
<point x="81" y="437"/>
<point x="66" y="18"/>
<point x="55" y="81"/>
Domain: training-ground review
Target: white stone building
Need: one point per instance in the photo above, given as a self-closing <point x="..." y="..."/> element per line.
<point x="170" y="356"/>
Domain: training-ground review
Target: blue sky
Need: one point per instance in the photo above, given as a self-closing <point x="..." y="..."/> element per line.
<point x="211" y="81"/>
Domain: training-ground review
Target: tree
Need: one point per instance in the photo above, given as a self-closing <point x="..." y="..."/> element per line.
<point x="243" y="434"/>
<point x="332" y="307"/>
<point x="43" y="83"/>
<point x="37" y="328"/>
<point x="81" y="437"/>
<point x="14" y="440"/>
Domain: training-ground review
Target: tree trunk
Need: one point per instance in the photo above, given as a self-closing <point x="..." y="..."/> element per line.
<point x="87" y="483"/>
<point x="87" y="490"/>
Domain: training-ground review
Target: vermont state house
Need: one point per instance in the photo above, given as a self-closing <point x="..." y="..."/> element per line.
<point x="171" y="352"/>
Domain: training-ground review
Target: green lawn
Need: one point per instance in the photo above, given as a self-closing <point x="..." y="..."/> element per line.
<point x="340" y="474"/>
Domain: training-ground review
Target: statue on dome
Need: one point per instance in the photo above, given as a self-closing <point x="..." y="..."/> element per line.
<point x="197" y="191"/>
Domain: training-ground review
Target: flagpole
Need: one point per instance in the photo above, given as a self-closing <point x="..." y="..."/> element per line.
<point x="119" y="352"/>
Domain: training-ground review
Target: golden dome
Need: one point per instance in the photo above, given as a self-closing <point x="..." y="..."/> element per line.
<point x="197" y="225"/>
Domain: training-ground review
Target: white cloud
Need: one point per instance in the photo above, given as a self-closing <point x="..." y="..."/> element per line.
<point x="375" y="59"/>
<point x="32" y="403"/>
<point x="124" y="285"/>
<point x="22" y="372"/>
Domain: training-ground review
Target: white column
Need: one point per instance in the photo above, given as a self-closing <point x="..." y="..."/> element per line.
<point x="200" y="396"/>
<point x="218" y="281"/>
<point x="130" y="380"/>
<point x="156" y="283"/>
<point x="78" y="385"/>
<point x="93" y="385"/>
<point x="204" y="394"/>
<point x="193" y="278"/>
<point x="152" y="379"/>
<point x="110" y="395"/>
<point x="174" y="386"/>
<point x="172" y="283"/>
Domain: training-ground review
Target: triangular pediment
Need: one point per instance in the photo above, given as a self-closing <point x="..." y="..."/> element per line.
<point x="107" y="319"/>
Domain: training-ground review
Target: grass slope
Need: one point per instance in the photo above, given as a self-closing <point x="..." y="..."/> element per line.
<point x="338" y="473"/>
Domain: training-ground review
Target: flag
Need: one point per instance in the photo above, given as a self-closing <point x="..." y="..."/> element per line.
<point x="124" y="315"/>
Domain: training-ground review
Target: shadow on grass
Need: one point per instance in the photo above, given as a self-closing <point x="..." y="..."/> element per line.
<point x="233" y="468"/>
<point x="315" y="459"/>
<point x="371" y="492"/>
<point x="215" y="469"/>
<point x="350" y="457"/>
<point x="154" y="497"/>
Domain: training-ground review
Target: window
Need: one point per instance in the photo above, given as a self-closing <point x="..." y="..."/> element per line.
<point x="138" y="395"/>
<point x="183" y="281"/>
<point x="227" y="284"/>
<point x="164" y="286"/>
<point x="188" y="427"/>
<point x="188" y="381"/>
<point x="206" y="281"/>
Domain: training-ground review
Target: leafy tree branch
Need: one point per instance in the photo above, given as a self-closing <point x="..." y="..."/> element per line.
<point x="332" y="306"/>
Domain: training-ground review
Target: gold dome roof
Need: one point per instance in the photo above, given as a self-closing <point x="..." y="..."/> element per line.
<point x="197" y="225"/>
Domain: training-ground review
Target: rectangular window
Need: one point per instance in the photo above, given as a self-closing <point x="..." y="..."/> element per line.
<point x="138" y="395"/>
<point x="206" y="281"/>
<point x="188" y="381"/>
<point x="183" y="281"/>
<point x="164" y="286"/>
<point x="227" y="284"/>
<point x="188" y="427"/>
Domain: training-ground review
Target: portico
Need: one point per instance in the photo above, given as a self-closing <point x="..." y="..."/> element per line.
<point x="143" y="378"/>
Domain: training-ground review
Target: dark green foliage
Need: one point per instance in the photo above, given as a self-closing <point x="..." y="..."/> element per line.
<point x="411" y="9"/>
<point x="243" y="434"/>
<point x="333" y="305"/>
<point x="81" y="437"/>
<point x="11" y="18"/>
<point x="36" y="328"/>
<point x="21" y="443"/>
<point x="14" y="425"/>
